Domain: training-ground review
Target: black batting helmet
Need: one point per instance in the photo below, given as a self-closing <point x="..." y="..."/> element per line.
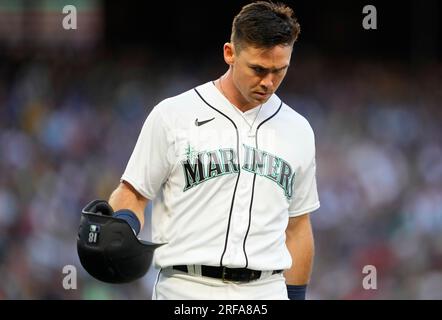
<point x="108" y="248"/>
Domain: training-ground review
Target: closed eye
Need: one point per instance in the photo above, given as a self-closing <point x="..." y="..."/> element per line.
<point x="259" y="70"/>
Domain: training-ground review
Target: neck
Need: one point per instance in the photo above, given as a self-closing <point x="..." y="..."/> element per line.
<point x="228" y="89"/>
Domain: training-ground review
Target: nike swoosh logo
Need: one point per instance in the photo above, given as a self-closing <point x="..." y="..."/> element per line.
<point x="200" y="123"/>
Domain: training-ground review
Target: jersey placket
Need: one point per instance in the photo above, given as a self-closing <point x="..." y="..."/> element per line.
<point x="240" y="222"/>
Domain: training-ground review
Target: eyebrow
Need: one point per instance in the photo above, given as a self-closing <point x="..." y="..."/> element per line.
<point x="268" y="69"/>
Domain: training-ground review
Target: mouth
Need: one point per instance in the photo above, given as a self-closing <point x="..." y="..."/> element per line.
<point x="262" y="95"/>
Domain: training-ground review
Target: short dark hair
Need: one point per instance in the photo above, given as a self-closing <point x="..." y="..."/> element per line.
<point x="264" y="24"/>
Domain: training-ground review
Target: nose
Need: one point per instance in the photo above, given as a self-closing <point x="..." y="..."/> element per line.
<point x="267" y="82"/>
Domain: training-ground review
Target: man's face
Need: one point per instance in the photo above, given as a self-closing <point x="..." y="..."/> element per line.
<point x="258" y="72"/>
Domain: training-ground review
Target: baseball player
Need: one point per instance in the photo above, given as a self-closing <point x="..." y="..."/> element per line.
<point x="230" y="169"/>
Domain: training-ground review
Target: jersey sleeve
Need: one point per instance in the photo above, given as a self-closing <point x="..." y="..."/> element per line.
<point x="153" y="156"/>
<point x="305" y="197"/>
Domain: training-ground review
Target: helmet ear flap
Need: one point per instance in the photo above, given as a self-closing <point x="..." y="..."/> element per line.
<point x="99" y="207"/>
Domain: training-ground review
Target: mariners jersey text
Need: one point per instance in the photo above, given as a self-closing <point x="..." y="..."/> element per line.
<point x="199" y="167"/>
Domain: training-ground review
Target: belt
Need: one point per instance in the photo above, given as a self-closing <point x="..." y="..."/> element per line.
<point x="228" y="274"/>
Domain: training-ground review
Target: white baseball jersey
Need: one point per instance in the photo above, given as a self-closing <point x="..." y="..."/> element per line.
<point x="223" y="190"/>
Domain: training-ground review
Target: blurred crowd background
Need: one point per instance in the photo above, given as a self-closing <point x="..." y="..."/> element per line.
<point x="71" y="108"/>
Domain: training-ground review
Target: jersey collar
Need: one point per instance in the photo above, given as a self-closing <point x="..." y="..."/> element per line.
<point x="217" y="100"/>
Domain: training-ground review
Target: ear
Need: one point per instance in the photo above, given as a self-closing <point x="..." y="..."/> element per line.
<point x="229" y="53"/>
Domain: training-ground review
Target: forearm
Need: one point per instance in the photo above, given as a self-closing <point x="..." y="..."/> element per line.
<point x="300" y="243"/>
<point x="125" y="197"/>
